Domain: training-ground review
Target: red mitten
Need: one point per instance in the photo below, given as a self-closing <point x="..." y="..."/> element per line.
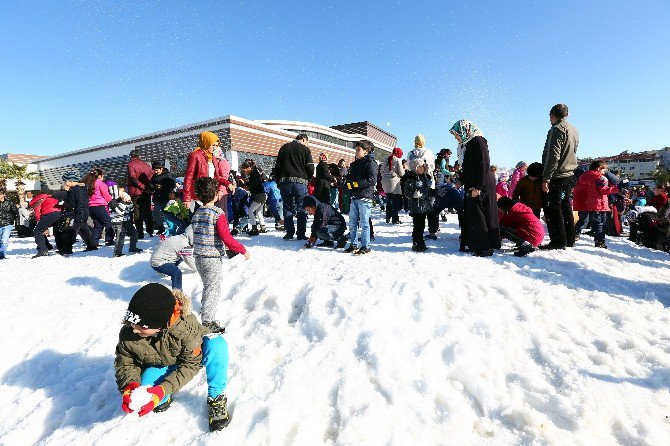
<point x="125" y="405"/>
<point x="159" y="394"/>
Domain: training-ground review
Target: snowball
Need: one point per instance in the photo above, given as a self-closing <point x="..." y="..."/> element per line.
<point x="139" y="398"/>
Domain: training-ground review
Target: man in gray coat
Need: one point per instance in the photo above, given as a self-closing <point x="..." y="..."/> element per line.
<point x="559" y="159"/>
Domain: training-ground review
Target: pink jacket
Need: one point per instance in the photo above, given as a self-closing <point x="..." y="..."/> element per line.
<point x="591" y="193"/>
<point x="516" y="176"/>
<point x="503" y="190"/>
<point x="100" y="195"/>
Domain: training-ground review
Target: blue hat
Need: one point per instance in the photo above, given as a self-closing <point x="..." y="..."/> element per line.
<point x="70" y="176"/>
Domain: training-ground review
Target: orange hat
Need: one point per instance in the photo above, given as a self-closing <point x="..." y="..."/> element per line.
<point x="207" y="139"/>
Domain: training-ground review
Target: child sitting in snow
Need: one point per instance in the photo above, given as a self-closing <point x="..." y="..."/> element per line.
<point x="519" y="224"/>
<point x="121" y="211"/>
<point x="328" y="224"/>
<point x="176" y="216"/>
<point x="210" y="235"/>
<point x="170" y="253"/>
<point x="163" y="346"/>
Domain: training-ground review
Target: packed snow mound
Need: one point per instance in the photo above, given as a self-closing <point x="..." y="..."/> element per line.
<point x="393" y="347"/>
<point x="139" y="398"/>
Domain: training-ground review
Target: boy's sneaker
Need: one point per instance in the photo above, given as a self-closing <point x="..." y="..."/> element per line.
<point x="601" y="245"/>
<point x="214" y="327"/>
<point x="341" y="243"/>
<point x="362" y="251"/>
<point x="118" y="254"/>
<point x="135" y="250"/>
<point x="288" y="237"/>
<point x="218" y="412"/>
<point x="524" y="250"/>
<point x="262" y="230"/>
<point x="165" y="406"/>
<point x="419" y="247"/>
<point x="351" y="248"/>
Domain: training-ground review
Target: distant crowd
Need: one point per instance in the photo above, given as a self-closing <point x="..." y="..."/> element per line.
<point x="197" y="217"/>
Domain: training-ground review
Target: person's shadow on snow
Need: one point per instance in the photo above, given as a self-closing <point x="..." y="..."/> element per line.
<point x="82" y="390"/>
<point x="658" y="379"/>
<point x="112" y="291"/>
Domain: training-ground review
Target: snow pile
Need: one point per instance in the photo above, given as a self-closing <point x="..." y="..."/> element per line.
<point x="139" y="398"/>
<point x="568" y="347"/>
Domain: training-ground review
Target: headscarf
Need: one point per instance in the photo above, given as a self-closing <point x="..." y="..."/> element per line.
<point x="419" y="141"/>
<point x="207" y="139"/>
<point x="466" y="130"/>
<point x="521" y="164"/>
<point x="397" y="152"/>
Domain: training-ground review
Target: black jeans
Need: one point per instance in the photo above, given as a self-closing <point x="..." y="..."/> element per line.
<point x="419" y="224"/>
<point x="142" y="214"/>
<point x="393" y="203"/>
<point x="558" y="212"/>
<point x="510" y="234"/>
<point x="101" y="219"/>
<point x="45" y="222"/>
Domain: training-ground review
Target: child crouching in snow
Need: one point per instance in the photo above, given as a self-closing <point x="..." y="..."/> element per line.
<point x="328" y="225"/>
<point x="519" y="224"/>
<point x="211" y="237"/>
<point x="170" y="253"/>
<point x="163" y="346"/>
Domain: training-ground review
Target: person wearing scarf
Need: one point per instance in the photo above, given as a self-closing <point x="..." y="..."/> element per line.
<point x="201" y="163"/>
<point x="392" y="171"/>
<point x="479" y="232"/>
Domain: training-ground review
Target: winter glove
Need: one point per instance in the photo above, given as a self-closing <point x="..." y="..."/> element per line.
<point x="352" y="185"/>
<point x="159" y="394"/>
<point x="125" y="405"/>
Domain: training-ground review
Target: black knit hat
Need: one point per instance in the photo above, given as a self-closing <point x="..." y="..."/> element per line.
<point x="151" y="306"/>
<point x="310" y="201"/>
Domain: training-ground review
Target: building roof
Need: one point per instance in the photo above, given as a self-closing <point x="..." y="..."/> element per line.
<point x="20" y="158"/>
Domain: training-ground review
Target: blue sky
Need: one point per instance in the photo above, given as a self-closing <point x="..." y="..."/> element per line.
<point x="77" y="74"/>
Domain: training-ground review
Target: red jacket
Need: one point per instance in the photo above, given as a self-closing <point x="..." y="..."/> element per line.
<point x="525" y="223"/>
<point x="591" y="193"/>
<point x="139" y="177"/>
<point x="44" y="204"/>
<point x="658" y="201"/>
<point x="197" y="167"/>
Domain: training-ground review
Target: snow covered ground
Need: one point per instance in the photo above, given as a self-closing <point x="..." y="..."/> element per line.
<point x="394" y="347"/>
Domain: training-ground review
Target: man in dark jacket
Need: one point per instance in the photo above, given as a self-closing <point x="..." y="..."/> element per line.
<point x="162" y="183"/>
<point x="75" y="216"/>
<point x="328" y="225"/>
<point x="559" y="159"/>
<point x="139" y="189"/>
<point x="293" y="170"/>
<point x="361" y="183"/>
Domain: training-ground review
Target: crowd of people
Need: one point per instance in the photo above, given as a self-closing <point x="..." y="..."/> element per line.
<point x="162" y="344"/>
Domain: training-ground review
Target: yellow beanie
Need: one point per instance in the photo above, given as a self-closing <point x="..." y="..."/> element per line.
<point x="419" y="141"/>
<point x="207" y="139"/>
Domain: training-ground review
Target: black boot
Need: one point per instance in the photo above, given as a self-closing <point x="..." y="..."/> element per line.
<point x="218" y="413"/>
<point x="254" y="231"/>
<point x="351" y="248"/>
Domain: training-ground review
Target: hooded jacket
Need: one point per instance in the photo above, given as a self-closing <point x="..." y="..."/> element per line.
<point x="418" y="189"/>
<point x="76" y="203"/>
<point x="180" y="344"/>
<point x="591" y="191"/>
<point x="527" y="226"/>
<point x="44" y="204"/>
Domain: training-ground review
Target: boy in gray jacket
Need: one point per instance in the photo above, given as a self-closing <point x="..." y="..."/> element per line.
<point x="170" y="253"/>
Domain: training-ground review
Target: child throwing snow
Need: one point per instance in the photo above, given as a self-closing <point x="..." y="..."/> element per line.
<point x="328" y="225"/>
<point x="163" y="346"/>
<point x="210" y="234"/>
<point x="590" y="196"/>
<point x="170" y="253"/>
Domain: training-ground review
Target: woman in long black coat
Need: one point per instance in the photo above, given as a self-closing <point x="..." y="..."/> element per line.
<point x="323" y="180"/>
<point x="480" y="231"/>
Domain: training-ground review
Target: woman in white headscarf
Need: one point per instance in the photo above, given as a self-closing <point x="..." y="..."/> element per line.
<point x="479" y="231"/>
